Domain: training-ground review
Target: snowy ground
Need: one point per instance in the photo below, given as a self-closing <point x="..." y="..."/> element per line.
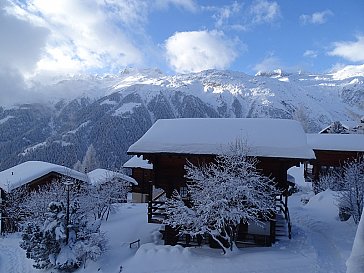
<point x="320" y="244"/>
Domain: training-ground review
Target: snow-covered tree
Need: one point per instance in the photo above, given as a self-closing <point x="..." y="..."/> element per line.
<point x="351" y="198"/>
<point x="78" y="166"/>
<point x="12" y="210"/>
<point x="113" y="189"/>
<point x="65" y="235"/>
<point x="221" y="195"/>
<point x="90" y="162"/>
<point x="301" y="115"/>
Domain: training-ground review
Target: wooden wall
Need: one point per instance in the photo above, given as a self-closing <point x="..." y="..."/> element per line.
<point x="169" y="170"/>
<point x="143" y="177"/>
<point x="330" y="159"/>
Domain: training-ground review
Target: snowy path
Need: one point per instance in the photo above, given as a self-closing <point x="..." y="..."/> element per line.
<point x="322" y="234"/>
<point x="12" y="258"/>
<point x="328" y="256"/>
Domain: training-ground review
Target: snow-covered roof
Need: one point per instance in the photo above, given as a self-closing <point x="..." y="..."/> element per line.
<point x="264" y="137"/>
<point x="27" y="172"/>
<point x="346" y="124"/>
<point x="138" y="162"/>
<point x="99" y="176"/>
<point x="336" y="142"/>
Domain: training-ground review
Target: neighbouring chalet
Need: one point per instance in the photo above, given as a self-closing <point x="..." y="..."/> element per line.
<point x="278" y="145"/>
<point x="99" y="177"/>
<point x="142" y="172"/>
<point x="332" y="151"/>
<point x="33" y="174"/>
<point x="344" y="127"/>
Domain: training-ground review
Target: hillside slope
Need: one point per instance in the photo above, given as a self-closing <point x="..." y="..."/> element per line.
<point x="112" y="112"/>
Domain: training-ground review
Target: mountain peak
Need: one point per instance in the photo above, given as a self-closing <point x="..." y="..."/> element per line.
<point x="276" y="73"/>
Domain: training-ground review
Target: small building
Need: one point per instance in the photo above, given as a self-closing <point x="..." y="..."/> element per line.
<point x="100" y="177"/>
<point x="142" y="172"/>
<point x="277" y="144"/>
<point x="33" y="174"/>
<point x="332" y="151"/>
<point x="344" y="127"/>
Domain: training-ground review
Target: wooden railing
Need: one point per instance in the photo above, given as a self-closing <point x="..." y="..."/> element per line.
<point x="156" y="209"/>
<point x="282" y="207"/>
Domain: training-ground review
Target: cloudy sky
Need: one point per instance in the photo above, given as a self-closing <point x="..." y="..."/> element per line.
<point x="47" y="37"/>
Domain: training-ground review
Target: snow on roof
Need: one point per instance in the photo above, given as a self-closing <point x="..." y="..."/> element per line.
<point x="138" y="162"/>
<point x="99" y="176"/>
<point x="346" y="124"/>
<point x="264" y="137"/>
<point x="336" y="142"/>
<point x="26" y="172"/>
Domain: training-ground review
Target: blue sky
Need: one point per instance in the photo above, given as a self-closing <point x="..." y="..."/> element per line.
<point x="42" y="37"/>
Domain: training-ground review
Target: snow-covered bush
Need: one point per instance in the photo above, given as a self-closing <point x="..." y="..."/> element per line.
<point x="328" y="181"/>
<point x="351" y="199"/>
<point x="221" y="195"/>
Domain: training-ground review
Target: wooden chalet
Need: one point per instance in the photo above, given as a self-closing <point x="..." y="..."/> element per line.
<point x="332" y="151"/>
<point x="344" y="127"/>
<point x="31" y="174"/>
<point x="278" y="145"/>
<point x="142" y="172"/>
<point x="102" y="177"/>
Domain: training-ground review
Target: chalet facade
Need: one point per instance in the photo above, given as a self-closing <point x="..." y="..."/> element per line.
<point x="32" y="174"/>
<point x="169" y="144"/>
<point x="332" y="151"/>
<point x="142" y="172"/>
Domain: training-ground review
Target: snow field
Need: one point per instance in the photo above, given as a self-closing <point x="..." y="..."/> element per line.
<point x="320" y="244"/>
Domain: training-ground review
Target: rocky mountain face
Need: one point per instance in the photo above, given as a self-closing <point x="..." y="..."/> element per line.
<point x="113" y="112"/>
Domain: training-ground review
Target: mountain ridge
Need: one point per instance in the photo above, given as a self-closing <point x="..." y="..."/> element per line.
<point x="115" y="111"/>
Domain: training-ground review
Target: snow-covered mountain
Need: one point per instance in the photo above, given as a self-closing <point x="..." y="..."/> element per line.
<point x="111" y="112"/>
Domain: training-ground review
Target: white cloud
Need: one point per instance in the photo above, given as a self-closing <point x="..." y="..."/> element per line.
<point x="185" y="4"/>
<point x="21" y="43"/>
<point x="268" y="64"/>
<point x="199" y="50"/>
<point x="310" y="53"/>
<point x="86" y="35"/>
<point x="223" y="14"/>
<point x="21" y="47"/>
<point x="129" y="12"/>
<point x="264" y="11"/>
<point x="316" y="18"/>
<point x="341" y="72"/>
<point x="352" y="51"/>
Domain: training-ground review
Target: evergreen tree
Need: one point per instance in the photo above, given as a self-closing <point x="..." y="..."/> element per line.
<point x="78" y="166"/>
<point x="90" y="162"/>
<point x="56" y="241"/>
